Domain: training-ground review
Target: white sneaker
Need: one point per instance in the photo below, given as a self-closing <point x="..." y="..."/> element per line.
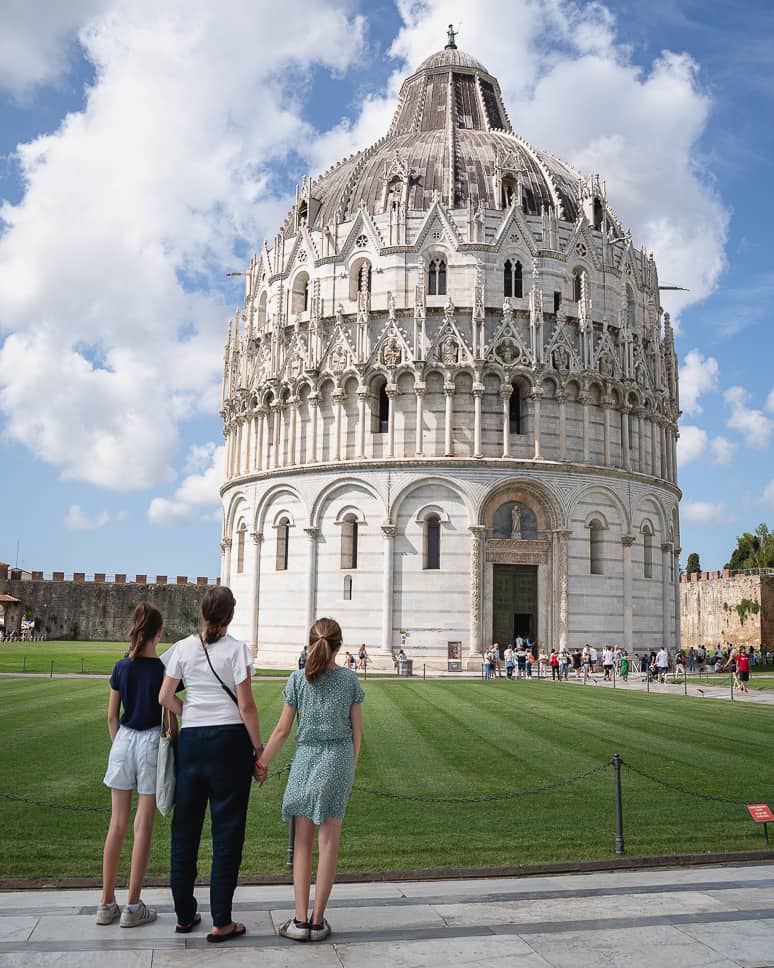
<point x="319" y="932"/>
<point x="107" y="913"/>
<point x="295" y="931"/>
<point x="143" y="915"/>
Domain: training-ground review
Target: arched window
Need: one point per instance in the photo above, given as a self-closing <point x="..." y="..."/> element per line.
<point x="509" y="191"/>
<point x="598" y="214"/>
<point x="596" y="548"/>
<point x="303" y="211"/>
<point x="348" y="588"/>
<point x="513" y="284"/>
<point x="262" y="309"/>
<point x="300" y="294"/>
<point x="349" y="542"/>
<point x="359" y="279"/>
<point x="577" y="285"/>
<point x="240" y="563"/>
<point x="514" y="410"/>
<point x="647" y="552"/>
<point x="384" y="410"/>
<point x="557" y="301"/>
<point x="432" y="556"/>
<point x="283" y="532"/>
<point x="436" y="278"/>
<point x="630" y="307"/>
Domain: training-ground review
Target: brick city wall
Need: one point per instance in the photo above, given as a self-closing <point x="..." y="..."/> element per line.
<point x="99" y="608"/>
<point x="715" y="609"/>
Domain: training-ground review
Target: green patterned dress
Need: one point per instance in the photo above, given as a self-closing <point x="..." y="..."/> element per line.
<point x="323" y="768"/>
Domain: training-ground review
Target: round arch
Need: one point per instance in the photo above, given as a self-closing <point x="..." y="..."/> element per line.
<point x="326" y="495"/>
<point x="448" y="485"/>
<point x="623" y="514"/>
<point x="266" y="500"/>
<point x="535" y="496"/>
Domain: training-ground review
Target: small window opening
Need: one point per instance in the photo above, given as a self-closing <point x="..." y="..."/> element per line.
<point x="349" y="542"/>
<point x="514" y="411"/>
<point x="283" y="531"/>
<point x="241" y="549"/>
<point x="647" y="554"/>
<point x="384" y="410"/>
<point x="598" y="214"/>
<point x="577" y="285"/>
<point x="436" y="279"/>
<point x="348" y="588"/>
<point x="432" y="542"/>
<point x="557" y="301"/>
<point x="596" y="548"/>
<point x="513" y="284"/>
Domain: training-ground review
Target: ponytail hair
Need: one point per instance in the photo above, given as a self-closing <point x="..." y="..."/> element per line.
<point x="324" y="643"/>
<point x="218" y="607"/>
<point x="146" y="624"/>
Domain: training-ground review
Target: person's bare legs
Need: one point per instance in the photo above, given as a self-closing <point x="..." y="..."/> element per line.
<point x="143" y="831"/>
<point x="111" y="855"/>
<point x="328" y="850"/>
<point x="302" y="866"/>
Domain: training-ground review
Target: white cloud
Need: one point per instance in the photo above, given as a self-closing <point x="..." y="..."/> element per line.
<point x="698" y="375"/>
<point x="701" y="512"/>
<point x="691" y="444"/>
<point x="753" y="424"/>
<point x="78" y="520"/>
<point x="722" y="450"/>
<point x="770" y="401"/>
<point x="112" y="262"/>
<point x="197" y="498"/>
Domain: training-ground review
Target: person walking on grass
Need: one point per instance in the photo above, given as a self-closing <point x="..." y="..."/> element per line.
<point x="625" y="666"/>
<point x="325" y="701"/>
<point x="217" y="759"/>
<point x="134" y="688"/>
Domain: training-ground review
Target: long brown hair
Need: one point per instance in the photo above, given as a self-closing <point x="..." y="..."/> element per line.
<point x="218" y="607"/>
<point x="146" y="623"/>
<point x="324" y="642"/>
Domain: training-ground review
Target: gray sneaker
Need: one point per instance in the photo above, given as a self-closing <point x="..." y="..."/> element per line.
<point x="295" y="930"/>
<point x="143" y="915"/>
<point x="319" y="932"/>
<point x="107" y="913"/>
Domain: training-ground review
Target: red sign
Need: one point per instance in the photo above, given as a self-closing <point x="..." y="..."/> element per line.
<point x="761" y="812"/>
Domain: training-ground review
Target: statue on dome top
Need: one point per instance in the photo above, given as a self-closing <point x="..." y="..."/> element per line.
<point x="451" y="38"/>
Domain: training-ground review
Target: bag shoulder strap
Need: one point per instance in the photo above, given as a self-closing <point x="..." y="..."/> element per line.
<point x="223" y="685"/>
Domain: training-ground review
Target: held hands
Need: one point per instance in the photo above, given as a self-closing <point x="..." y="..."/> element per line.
<point x="260" y="772"/>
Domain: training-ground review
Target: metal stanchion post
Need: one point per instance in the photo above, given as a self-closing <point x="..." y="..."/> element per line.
<point x="81" y="663"/>
<point x="51" y="674"/>
<point x="685" y="682"/>
<point x="291" y="843"/>
<point x="732" y="688"/>
<point x="424" y="671"/>
<point x="613" y="677"/>
<point x="619" y="835"/>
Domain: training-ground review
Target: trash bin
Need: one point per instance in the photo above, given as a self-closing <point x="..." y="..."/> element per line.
<point x="406" y="667"/>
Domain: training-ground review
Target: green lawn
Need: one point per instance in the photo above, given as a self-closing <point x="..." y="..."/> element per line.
<point x="465" y="739"/>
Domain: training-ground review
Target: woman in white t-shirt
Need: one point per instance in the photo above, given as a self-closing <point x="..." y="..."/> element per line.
<point x="219" y="743"/>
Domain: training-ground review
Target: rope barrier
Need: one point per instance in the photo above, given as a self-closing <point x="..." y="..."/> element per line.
<point x="678" y="789"/>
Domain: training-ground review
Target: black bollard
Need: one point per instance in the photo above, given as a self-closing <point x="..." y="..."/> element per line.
<point x="619" y="835"/>
<point x="51" y="674"/>
<point x="291" y="843"/>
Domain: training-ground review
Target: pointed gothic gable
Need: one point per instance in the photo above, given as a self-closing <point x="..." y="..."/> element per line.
<point x="363" y="225"/>
<point x="580" y="245"/>
<point x="604" y="351"/>
<point x="449" y="347"/>
<point x="303" y="253"/>
<point x="561" y="351"/>
<point x="438" y="220"/>
<point x="265" y="263"/>
<point x="392" y="348"/>
<point x="628" y="267"/>
<point x="339" y="353"/>
<point x="296" y="359"/>
<point x="514" y="223"/>
<point x="642" y="373"/>
<point x="507" y="347"/>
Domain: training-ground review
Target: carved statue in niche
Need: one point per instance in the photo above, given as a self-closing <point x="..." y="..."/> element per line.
<point x="606" y="365"/>
<point x="449" y="309"/>
<point x="507" y="311"/>
<point x="391" y="354"/>
<point x="296" y="365"/>
<point x="516" y="522"/>
<point x="339" y="315"/>
<point x="450" y="351"/>
<point x="508" y="351"/>
<point x="338" y="358"/>
<point x="561" y="358"/>
<point x="391" y="306"/>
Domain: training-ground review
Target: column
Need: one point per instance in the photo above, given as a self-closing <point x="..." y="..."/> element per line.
<point x="227" y="439"/>
<point x="294" y="403"/>
<point x="625" y="455"/>
<point x="362" y="397"/>
<point x="263" y="447"/>
<point x="311" y="576"/>
<point x="641" y="439"/>
<point x="388" y="530"/>
<point x="338" y="400"/>
<point x="562" y="400"/>
<point x="605" y="404"/>
<point x="248" y="442"/>
<point x="275" y="409"/>
<point x="666" y="596"/>
<point x="392" y="392"/>
<point x="654" y="452"/>
<point x="662" y="447"/>
<point x="673" y="436"/>
<point x="536" y="396"/>
<point x="225" y="547"/>
<point x="448" y="450"/>
<point x="627" y="541"/>
<point x="257" y="537"/>
<point x="584" y="399"/>
<point x="676" y="583"/>
<point x="478" y="393"/>
<point x="505" y="395"/>
<point x="564" y="586"/>
<point x="238" y="448"/>
<point x="314" y="407"/>
<point x="477" y="533"/>
<point x="419" y="390"/>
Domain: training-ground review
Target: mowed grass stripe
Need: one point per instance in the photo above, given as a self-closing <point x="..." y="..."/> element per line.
<point x="434" y="738"/>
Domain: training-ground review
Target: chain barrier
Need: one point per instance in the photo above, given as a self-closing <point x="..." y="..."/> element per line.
<point x="678" y="789"/>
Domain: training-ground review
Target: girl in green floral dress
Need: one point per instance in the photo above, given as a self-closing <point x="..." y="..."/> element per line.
<point x="326" y="700"/>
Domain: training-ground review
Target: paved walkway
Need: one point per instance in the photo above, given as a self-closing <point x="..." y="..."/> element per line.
<point x="686" y="918"/>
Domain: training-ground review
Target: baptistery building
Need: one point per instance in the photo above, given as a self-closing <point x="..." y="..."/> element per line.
<point x="450" y="401"/>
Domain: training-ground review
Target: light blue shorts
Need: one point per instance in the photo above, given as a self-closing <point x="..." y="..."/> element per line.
<point x="132" y="761"/>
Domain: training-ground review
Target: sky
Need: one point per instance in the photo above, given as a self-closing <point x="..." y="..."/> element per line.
<point x="146" y="150"/>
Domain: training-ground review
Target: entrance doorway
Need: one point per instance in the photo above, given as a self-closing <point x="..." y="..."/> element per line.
<point x="515" y="603"/>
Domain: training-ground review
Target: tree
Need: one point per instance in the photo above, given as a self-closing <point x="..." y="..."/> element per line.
<point x="693" y="563"/>
<point x="753" y="550"/>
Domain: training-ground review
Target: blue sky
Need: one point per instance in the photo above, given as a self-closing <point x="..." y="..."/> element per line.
<point x="143" y="157"/>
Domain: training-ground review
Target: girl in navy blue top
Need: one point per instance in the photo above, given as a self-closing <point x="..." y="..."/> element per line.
<point x="134" y="693"/>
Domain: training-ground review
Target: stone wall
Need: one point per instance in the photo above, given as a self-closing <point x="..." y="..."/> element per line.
<point x="100" y="609"/>
<point x="726" y="607"/>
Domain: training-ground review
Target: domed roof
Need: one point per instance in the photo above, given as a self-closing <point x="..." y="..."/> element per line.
<point x="450" y="138"/>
